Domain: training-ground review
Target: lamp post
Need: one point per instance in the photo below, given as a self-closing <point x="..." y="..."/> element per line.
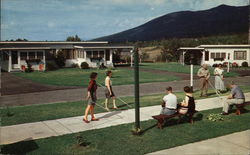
<point x="191" y="71"/>
<point x="137" y="95"/>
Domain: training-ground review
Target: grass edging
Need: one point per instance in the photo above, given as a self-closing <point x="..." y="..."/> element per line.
<point x="34" y="113"/>
<point x="119" y="140"/>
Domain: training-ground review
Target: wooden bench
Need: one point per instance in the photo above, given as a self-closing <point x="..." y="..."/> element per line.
<point x="240" y="107"/>
<point x="162" y="118"/>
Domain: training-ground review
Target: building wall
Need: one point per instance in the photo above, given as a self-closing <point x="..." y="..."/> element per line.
<point x="81" y="56"/>
<point x="228" y="51"/>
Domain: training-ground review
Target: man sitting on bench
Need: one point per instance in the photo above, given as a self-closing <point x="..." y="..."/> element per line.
<point x="236" y="97"/>
<point x="169" y="103"/>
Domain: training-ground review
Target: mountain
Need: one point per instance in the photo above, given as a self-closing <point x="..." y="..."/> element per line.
<point x="220" y="20"/>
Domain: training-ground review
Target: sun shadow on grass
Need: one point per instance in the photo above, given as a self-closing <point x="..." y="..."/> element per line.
<point x="125" y="105"/>
<point x="172" y="122"/>
<point x="22" y="147"/>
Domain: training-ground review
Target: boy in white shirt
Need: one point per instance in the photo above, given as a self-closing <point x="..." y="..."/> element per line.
<point x="169" y="103"/>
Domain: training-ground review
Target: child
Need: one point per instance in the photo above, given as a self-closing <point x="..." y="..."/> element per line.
<point x="109" y="92"/>
<point x="187" y="105"/>
<point x="91" y="98"/>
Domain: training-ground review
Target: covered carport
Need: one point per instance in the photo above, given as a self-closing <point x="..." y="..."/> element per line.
<point x="196" y="53"/>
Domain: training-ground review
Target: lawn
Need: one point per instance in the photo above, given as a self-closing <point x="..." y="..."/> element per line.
<point x="119" y="140"/>
<point x="34" y="113"/>
<point x="80" y="77"/>
<point x="175" y="67"/>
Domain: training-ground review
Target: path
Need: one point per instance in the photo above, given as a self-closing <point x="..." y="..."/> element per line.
<point x="49" y="128"/>
<point x="233" y="144"/>
<point x="12" y="84"/>
<point x="80" y="93"/>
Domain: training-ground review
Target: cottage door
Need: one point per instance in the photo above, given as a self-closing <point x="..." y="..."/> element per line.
<point x="14" y="59"/>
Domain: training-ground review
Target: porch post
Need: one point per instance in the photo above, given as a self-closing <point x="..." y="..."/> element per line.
<point x="111" y="56"/>
<point x="131" y="58"/>
<point x="44" y="60"/>
<point x="104" y="57"/>
<point x="85" y="54"/>
<point x="10" y="62"/>
<point x="203" y="56"/>
<point x="19" y="59"/>
<point x="183" y="58"/>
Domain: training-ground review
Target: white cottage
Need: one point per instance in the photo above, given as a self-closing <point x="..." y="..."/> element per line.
<point x="15" y="55"/>
<point x="215" y="54"/>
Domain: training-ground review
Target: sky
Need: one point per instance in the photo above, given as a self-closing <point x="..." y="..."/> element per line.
<point x="40" y="20"/>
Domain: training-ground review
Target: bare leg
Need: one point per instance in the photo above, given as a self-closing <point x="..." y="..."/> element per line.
<point x="86" y="112"/>
<point x="92" y="111"/>
<point x="114" y="105"/>
<point x="106" y="103"/>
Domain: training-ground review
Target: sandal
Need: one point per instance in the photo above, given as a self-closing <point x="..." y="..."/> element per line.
<point x="94" y="119"/>
<point x="86" y="121"/>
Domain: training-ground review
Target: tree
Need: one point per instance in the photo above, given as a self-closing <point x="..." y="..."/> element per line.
<point x="169" y="50"/>
<point x="143" y="55"/>
<point x="60" y="59"/>
<point x="73" y="38"/>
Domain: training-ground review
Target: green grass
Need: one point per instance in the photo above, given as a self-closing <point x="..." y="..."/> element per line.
<point x="119" y="140"/>
<point x="80" y="77"/>
<point x="179" y="68"/>
<point x="34" y="113"/>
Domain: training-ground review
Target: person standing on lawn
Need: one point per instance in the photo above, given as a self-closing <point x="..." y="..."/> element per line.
<point x="109" y="92"/>
<point x="91" y="98"/>
<point x="169" y="103"/>
<point x="219" y="78"/>
<point x="204" y="75"/>
<point x="236" y="97"/>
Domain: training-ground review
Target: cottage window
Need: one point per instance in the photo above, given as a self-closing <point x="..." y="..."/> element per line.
<point x="101" y="54"/>
<point x="95" y="54"/>
<point x="212" y="55"/>
<point x="223" y="55"/>
<point x="40" y="55"/>
<point x="107" y="55"/>
<point x="240" y="55"/>
<point x="5" y="56"/>
<point x="23" y="55"/>
<point x="89" y="54"/>
<point x="218" y="55"/>
<point x="32" y="55"/>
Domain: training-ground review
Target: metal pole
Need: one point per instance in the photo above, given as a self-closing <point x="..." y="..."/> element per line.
<point x="191" y="75"/>
<point x="137" y="99"/>
<point x="191" y="71"/>
<point x="228" y="63"/>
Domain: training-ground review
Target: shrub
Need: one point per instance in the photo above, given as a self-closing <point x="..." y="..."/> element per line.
<point x="50" y="67"/>
<point x="215" y="117"/>
<point x="244" y="64"/>
<point x="75" y="65"/>
<point x="224" y="64"/>
<point x="215" y="65"/>
<point x="102" y="66"/>
<point x="60" y="59"/>
<point x="29" y="67"/>
<point x="84" y="65"/>
<point x="234" y="64"/>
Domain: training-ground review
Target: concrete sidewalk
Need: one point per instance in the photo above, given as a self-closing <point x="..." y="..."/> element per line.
<point x="69" y="95"/>
<point x="233" y="144"/>
<point x="43" y="129"/>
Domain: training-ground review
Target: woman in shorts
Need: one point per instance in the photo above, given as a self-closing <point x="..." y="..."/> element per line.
<point x="91" y="98"/>
<point x="108" y="91"/>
